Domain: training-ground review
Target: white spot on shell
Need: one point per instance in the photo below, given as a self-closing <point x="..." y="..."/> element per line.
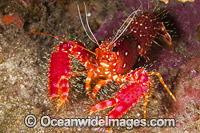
<point x="139" y="46"/>
<point x="85" y="63"/>
<point x="124" y="65"/>
<point x="114" y="77"/>
<point x="98" y="86"/>
<point x="104" y="64"/>
<point x="123" y="80"/>
<point x="106" y="72"/>
<point x="126" y="53"/>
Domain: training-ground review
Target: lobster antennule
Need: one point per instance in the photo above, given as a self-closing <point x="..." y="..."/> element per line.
<point x="35" y="32"/>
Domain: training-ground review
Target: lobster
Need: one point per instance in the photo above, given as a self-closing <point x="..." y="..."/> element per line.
<point x="112" y="62"/>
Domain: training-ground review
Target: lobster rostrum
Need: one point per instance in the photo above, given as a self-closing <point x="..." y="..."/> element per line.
<point x="112" y="62"/>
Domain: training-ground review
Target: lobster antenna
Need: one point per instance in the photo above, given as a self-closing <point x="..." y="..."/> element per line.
<point x="118" y="31"/>
<point x="141" y="4"/>
<point x="122" y="32"/>
<point x="83" y="25"/>
<point x="34" y="32"/>
<point x="133" y="13"/>
<point x="89" y="25"/>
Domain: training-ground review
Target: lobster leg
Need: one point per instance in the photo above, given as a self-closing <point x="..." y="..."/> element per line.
<point x="146" y="98"/>
<point x="163" y="83"/>
<point x="88" y="81"/>
<point x="98" y="86"/>
<point x="103" y="105"/>
<point x="145" y="104"/>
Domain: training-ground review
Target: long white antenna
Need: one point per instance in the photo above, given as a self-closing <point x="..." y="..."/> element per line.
<point x="89" y="25"/>
<point x="124" y="29"/>
<point x="119" y="30"/>
<point x="83" y="24"/>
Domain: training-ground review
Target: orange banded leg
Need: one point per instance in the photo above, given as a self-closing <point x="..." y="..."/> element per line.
<point x="152" y="84"/>
<point x="150" y="92"/>
<point x="88" y="81"/>
<point x="163" y="83"/>
<point x="63" y="91"/>
<point x="98" y="86"/>
<point x="146" y="98"/>
<point x="145" y="104"/>
<point x="103" y="105"/>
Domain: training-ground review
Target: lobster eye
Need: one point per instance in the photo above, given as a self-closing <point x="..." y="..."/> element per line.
<point x="115" y="49"/>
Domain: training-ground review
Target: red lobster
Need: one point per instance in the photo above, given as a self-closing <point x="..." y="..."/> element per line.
<point x="113" y="61"/>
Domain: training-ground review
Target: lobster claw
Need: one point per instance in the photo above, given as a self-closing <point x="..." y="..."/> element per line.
<point x="60" y="68"/>
<point x="63" y="91"/>
<point x="59" y="74"/>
